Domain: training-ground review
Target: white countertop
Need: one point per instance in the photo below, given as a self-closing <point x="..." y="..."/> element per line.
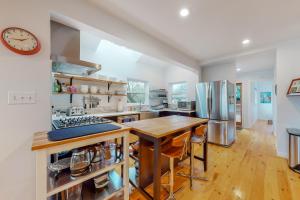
<point x="176" y="110"/>
<point x="113" y="114"/>
<point x="108" y="114"/>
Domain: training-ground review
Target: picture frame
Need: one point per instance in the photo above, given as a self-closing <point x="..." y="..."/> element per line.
<point x="294" y="88"/>
<point x="265" y="98"/>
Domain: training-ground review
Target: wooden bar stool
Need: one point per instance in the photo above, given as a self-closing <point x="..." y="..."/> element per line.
<point x="134" y="154"/>
<point x="175" y="148"/>
<point x="198" y="138"/>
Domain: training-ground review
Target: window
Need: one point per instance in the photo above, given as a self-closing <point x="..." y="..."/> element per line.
<point x="179" y="92"/>
<point x="137" y="91"/>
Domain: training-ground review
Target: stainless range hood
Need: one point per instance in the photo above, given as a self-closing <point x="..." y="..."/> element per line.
<point x="65" y="52"/>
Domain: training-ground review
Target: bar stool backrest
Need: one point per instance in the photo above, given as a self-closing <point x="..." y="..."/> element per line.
<point x="181" y="141"/>
<point x="201" y="131"/>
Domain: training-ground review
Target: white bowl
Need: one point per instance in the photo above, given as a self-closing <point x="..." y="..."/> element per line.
<point x="84" y="88"/>
<point x="94" y="89"/>
<point x="112" y="78"/>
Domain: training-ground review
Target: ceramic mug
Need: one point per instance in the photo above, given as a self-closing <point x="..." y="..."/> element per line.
<point x="84" y="88"/>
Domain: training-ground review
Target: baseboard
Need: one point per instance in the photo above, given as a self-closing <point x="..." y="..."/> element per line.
<point x="282" y="154"/>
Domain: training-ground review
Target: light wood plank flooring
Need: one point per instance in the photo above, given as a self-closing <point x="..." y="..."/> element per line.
<point x="248" y="170"/>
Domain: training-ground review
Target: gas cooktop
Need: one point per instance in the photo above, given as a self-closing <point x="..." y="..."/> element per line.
<point x="78" y="121"/>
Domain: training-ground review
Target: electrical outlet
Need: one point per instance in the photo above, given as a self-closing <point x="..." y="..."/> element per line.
<point x="15" y="98"/>
<point x="29" y="98"/>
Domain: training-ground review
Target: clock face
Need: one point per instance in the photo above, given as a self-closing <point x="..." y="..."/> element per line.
<point x="20" y="41"/>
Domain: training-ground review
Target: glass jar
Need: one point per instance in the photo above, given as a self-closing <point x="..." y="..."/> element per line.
<point x="80" y="162"/>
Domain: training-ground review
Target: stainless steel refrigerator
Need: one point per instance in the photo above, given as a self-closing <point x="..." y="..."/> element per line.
<point x="215" y="101"/>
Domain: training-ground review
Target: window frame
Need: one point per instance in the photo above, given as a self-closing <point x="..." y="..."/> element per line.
<point x="146" y="83"/>
<point x="171" y="90"/>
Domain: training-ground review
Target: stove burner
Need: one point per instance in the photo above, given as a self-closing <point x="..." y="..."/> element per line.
<point x="78" y="121"/>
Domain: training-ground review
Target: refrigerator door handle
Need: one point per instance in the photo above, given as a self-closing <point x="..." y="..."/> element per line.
<point x="209" y="100"/>
<point x="218" y="122"/>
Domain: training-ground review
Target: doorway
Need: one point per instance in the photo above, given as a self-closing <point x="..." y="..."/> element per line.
<point x="238" y="110"/>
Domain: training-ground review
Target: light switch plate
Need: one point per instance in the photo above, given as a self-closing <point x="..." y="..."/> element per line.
<point x="15" y="98"/>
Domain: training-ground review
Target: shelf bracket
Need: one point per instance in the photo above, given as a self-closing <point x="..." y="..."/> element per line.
<point x="108" y="98"/>
<point x="71" y="95"/>
<point x="108" y="85"/>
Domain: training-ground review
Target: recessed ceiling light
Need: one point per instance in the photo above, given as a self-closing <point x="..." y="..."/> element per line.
<point x="238" y="69"/>
<point x="184" y="12"/>
<point x="246" y="41"/>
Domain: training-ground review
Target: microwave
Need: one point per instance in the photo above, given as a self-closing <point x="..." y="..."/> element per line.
<point x="186" y="105"/>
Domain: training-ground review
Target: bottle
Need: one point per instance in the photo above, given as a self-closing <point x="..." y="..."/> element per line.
<point x="55" y="86"/>
<point x="120" y="106"/>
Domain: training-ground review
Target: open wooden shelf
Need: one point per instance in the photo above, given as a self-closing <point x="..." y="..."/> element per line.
<point x="88" y="79"/>
<point x="293" y="94"/>
<point x="114" y="187"/>
<point x="64" y="180"/>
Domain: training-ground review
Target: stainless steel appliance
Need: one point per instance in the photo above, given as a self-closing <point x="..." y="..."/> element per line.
<point x="294" y="149"/>
<point x="216" y="101"/>
<point x="70" y="122"/>
<point x="65" y="51"/>
<point x="186" y="105"/>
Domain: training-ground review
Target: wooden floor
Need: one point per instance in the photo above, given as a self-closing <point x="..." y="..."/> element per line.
<point x="248" y="170"/>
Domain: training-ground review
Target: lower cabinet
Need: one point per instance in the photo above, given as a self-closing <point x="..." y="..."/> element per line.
<point x="169" y="113"/>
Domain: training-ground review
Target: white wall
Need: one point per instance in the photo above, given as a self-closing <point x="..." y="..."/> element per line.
<point x="249" y="106"/>
<point x="124" y="64"/>
<point x="19" y="122"/>
<point x="288" y="108"/>
<point x="219" y="72"/>
<point x="32" y="73"/>
<point x="263" y="75"/>
<point x="176" y="74"/>
<point x="250" y="82"/>
<point x="264" y="111"/>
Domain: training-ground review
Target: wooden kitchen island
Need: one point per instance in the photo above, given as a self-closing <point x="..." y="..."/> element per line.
<point x="151" y="133"/>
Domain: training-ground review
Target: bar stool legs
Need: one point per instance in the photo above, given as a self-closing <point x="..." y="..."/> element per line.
<point x="192" y="175"/>
<point x="171" y="192"/>
<point x="176" y="148"/>
<point x="200" y="138"/>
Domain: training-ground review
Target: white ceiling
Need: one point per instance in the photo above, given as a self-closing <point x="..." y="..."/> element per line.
<point x="257" y="62"/>
<point x="215" y="28"/>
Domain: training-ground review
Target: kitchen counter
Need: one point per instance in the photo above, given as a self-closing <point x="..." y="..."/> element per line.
<point x="176" y="110"/>
<point x="124" y="113"/>
<point x="108" y="114"/>
<point x="115" y="114"/>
